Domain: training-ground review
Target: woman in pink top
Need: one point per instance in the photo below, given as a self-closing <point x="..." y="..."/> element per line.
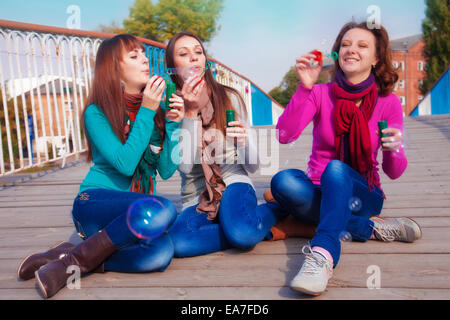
<point x="340" y="192"/>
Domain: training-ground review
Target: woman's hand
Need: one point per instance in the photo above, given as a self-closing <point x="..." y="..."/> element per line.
<point x="153" y="92"/>
<point x="191" y="93"/>
<point x="394" y="141"/>
<point x="308" y="75"/>
<point x="237" y="130"/>
<point x="176" y="111"/>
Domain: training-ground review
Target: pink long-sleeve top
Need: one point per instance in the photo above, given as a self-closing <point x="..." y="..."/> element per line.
<point x="317" y="105"/>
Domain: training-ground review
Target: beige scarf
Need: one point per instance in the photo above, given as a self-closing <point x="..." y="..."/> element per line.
<point x="210" y="196"/>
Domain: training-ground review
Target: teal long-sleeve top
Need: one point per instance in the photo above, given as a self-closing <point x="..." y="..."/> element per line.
<point x="115" y="162"/>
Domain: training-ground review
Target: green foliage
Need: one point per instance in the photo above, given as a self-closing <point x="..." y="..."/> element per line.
<point x="287" y="88"/>
<point x="161" y="21"/>
<point x="289" y="85"/>
<point x="436" y="34"/>
<point x="114" y="27"/>
<point x="142" y="20"/>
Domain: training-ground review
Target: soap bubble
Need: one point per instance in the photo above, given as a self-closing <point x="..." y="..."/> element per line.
<point x="345" y="236"/>
<point x="189" y="72"/>
<point x="184" y="73"/>
<point x="148" y="218"/>
<point x="355" y="204"/>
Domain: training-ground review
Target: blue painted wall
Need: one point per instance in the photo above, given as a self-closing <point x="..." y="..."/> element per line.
<point x="439" y="97"/>
<point x="261" y="108"/>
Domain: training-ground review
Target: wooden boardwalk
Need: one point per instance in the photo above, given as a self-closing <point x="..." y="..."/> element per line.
<point x="36" y="214"/>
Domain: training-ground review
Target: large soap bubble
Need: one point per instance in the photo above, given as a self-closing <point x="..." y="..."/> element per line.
<point x="148" y="218"/>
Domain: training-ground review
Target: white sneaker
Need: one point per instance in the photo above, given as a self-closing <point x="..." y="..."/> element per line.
<point x="314" y="275"/>
<point x="396" y="229"/>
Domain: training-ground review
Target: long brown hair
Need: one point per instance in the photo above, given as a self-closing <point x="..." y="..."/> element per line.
<point x="219" y="93"/>
<point x="385" y="74"/>
<point x="106" y="88"/>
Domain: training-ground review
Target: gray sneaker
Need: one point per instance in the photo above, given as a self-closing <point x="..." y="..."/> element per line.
<point x="314" y="275"/>
<point x="396" y="229"/>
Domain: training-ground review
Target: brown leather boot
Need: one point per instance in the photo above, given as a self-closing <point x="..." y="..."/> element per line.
<point x="88" y="255"/>
<point x="34" y="261"/>
<point x="291" y="228"/>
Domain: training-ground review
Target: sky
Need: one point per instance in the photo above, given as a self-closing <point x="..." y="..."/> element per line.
<point x="259" y="39"/>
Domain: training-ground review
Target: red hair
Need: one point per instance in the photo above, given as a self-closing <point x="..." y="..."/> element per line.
<point x="106" y="88"/>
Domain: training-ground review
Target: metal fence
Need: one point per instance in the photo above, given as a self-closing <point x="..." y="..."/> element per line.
<point x="44" y="82"/>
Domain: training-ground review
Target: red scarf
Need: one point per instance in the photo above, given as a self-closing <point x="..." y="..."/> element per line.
<point x="351" y="120"/>
<point x="142" y="180"/>
<point x="133" y="103"/>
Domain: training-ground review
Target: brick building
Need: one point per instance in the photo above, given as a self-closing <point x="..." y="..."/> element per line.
<point x="407" y="56"/>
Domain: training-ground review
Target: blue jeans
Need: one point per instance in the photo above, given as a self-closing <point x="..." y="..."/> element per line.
<point x="98" y="209"/>
<point x="342" y="203"/>
<point x="241" y="223"/>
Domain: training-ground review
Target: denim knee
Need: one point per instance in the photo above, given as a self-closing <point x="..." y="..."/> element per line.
<point x="291" y="184"/>
<point x="296" y="193"/>
<point x="280" y="182"/>
<point x="167" y="251"/>
<point x="335" y="172"/>
<point x="181" y="245"/>
<point x="242" y="240"/>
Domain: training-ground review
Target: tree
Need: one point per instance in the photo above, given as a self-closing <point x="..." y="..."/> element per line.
<point x="289" y="85"/>
<point x="142" y="20"/>
<point x="436" y="34"/>
<point x="114" y="27"/>
<point x="287" y="88"/>
<point x="161" y="21"/>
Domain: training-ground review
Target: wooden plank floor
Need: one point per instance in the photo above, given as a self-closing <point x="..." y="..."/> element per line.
<point x="36" y="214"/>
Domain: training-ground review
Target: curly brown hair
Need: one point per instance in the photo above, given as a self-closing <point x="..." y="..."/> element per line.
<point x="385" y="74"/>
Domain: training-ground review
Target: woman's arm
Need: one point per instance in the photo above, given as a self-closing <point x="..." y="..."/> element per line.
<point x="394" y="161"/>
<point x="298" y="114"/>
<point x="123" y="157"/>
<point x="170" y="155"/>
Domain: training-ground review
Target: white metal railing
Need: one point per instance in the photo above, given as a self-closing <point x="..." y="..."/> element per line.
<point x="230" y="78"/>
<point x="44" y="82"/>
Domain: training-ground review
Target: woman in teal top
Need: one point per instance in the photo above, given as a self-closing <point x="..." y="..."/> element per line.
<point x="130" y="139"/>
